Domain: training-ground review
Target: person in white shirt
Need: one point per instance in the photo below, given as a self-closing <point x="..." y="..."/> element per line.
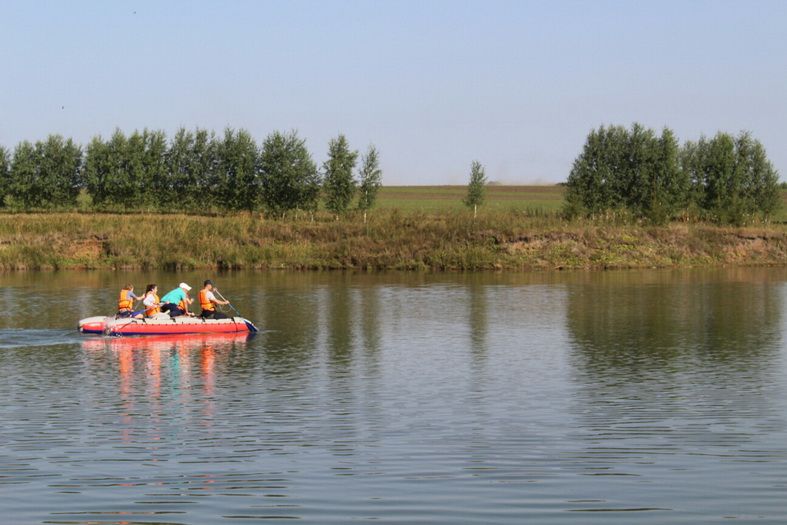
<point x="151" y="301"/>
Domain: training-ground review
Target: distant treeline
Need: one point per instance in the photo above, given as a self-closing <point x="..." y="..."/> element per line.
<point x="194" y="171"/>
<point x="648" y="175"/>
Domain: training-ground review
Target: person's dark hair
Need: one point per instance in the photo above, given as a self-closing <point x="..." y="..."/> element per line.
<point x="207" y="282"/>
<point x="149" y="288"/>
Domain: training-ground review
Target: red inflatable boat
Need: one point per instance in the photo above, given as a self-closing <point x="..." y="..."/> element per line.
<point x="164" y="325"/>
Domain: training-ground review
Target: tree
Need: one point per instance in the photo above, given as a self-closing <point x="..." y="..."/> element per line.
<point x="59" y="167"/>
<point x="692" y="160"/>
<point x="156" y="187"/>
<point x="370" y="182"/>
<point x="46" y="174"/>
<point x="338" y="182"/>
<point x="730" y="177"/>
<point x="289" y="175"/>
<point x="634" y="169"/>
<point x="191" y="163"/>
<point x="113" y="174"/>
<point x="760" y="181"/>
<point x="180" y="168"/>
<point x="5" y="175"/>
<point x="238" y="181"/>
<point x="96" y="172"/>
<point x="476" y="187"/>
<point x="667" y="187"/>
<point x="24" y="189"/>
<point x="121" y="188"/>
<point x="600" y="176"/>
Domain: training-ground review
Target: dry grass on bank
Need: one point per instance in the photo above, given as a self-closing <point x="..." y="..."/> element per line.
<point x="449" y="240"/>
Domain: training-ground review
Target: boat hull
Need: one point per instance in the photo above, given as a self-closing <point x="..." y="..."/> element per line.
<point x="164" y="325"/>
<point x="93" y="325"/>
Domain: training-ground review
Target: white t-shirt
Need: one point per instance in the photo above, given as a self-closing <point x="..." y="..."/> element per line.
<point x="149" y="301"/>
<point x="209" y="296"/>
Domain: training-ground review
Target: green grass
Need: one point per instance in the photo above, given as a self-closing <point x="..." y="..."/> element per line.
<point x="498" y="198"/>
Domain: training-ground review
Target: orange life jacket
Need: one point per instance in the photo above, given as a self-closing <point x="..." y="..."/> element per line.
<point x="183" y="304"/>
<point x="153" y="311"/>
<point x="204" y="302"/>
<point x="124" y="302"/>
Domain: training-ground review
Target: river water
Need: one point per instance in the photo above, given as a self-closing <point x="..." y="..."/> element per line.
<point x="608" y="397"/>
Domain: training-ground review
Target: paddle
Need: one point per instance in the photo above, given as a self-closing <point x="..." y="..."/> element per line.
<point x="248" y="323"/>
<point x="228" y="303"/>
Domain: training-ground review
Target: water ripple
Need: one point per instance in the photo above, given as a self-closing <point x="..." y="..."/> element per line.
<point x="442" y="399"/>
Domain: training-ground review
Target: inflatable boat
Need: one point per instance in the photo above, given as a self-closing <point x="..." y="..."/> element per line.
<point x="163" y="324"/>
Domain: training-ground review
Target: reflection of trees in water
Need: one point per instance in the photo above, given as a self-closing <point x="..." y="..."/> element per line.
<point x="680" y="361"/>
<point x="289" y="320"/>
<point x="340" y="323"/>
<point x="636" y="327"/>
<point x="476" y="290"/>
<point x="353" y="341"/>
<point x="369" y="313"/>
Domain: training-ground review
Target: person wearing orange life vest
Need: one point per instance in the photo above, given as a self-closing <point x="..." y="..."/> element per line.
<point x="151" y="301"/>
<point x="126" y="302"/>
<point x="208" y="302"/>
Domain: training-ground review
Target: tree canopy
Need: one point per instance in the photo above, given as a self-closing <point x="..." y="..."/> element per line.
<point x="651" y="176"/>
<point x="289" y="175"/>
<point x="194" y="171"/>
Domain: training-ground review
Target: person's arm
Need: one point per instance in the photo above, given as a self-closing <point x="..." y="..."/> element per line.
<point x="212" y="298"/>
<point x="186" y="302"/>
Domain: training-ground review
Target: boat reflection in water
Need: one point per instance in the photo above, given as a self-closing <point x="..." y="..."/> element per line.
<point x="162" y="379"/>
<point x="168" y="342"/>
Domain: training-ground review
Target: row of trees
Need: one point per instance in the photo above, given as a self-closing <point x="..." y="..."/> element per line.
<point x="195" y="170"/>
<point x="649" y="175"/>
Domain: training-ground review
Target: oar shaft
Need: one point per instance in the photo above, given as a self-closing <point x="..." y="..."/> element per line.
<point x="228" y="303"/>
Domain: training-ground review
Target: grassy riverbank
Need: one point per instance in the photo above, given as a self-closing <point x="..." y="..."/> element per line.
<point x="448" y="240"/>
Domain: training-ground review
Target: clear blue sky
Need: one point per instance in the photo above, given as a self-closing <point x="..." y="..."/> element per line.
<point x="434" y="84"/>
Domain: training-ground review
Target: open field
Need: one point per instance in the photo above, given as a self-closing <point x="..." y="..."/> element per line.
<point x="498" y="197"/>
<point x="544" y="198"/>
<point x="534" y="200"/>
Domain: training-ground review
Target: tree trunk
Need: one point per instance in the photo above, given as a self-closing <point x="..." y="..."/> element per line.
<point x="364" y="216"/>
<point x="475" y="210"/>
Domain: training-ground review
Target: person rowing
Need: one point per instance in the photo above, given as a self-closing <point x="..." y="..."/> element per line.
<point x="126" y="302"/>
<point x="176" y="302"/>
<point x="208" y="302"/>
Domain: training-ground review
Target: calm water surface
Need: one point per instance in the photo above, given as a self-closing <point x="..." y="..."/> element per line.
<point x="618" y="397"/>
